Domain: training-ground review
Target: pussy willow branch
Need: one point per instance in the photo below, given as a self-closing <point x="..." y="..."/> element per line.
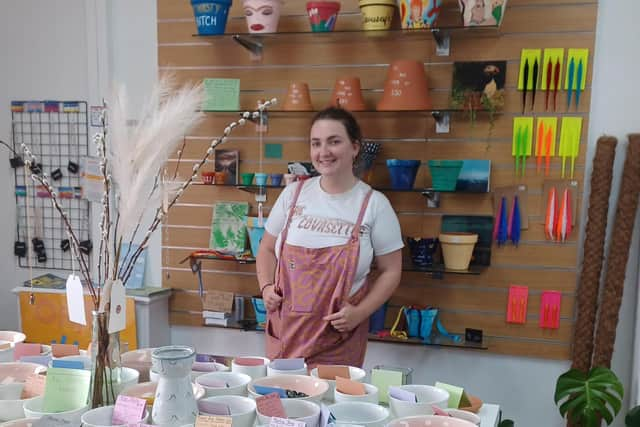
<point x="30" y="160"/>
<point x="160" y="212"/>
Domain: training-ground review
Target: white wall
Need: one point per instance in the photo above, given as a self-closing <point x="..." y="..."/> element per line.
<point x="44" y="56"/>
<point x="56" y="63"/>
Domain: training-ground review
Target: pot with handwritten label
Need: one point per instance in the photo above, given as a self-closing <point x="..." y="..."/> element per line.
<point x="406" y="87"/>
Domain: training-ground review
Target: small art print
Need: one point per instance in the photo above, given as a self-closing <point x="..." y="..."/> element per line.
<point x="479" y="85"/>
<point x="227" y="161"/>
<point x="482" y="12"/>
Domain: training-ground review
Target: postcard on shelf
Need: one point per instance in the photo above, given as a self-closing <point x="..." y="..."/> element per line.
<point x="227" y="161"/>
<point x="479" y="86"/>
<point x="228" y="230"/>
<point x="474" y="177"/>
<point x="221" y="95"/>
<point x="48" y="281"/>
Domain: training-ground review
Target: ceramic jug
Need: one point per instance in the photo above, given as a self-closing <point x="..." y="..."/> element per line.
<point x="174" y="404"/>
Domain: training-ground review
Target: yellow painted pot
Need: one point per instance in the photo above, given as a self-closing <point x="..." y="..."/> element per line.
<point x="457" y="249"/>
<point x="377" y="14"/>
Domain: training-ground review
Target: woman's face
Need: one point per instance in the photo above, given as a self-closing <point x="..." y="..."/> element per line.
<point x="258" y="13"/>
<point x="332" y="152"/>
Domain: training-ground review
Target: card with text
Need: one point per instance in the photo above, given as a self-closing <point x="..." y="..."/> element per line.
<point x="26" y="349"/>
<point x="270" y="405"/>
<point x="346" y="386"/>
<point x="330" y="372"/>
<point x="128" y="410"/>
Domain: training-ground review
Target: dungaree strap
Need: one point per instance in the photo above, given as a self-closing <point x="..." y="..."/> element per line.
<point x="355" y="234"/>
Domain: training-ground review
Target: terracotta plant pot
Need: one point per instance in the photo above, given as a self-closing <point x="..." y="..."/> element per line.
<point x="457" y="249"/>
<point x="297" y="98"/>
<point x="347" y="94"/>
<point x="323" y="15"/>
<point x="377" y="14"/>
<point x="262" y="15"/>
<point x="415" y="14"/>
<point x="406" y="87"/>
<point x="482" y="12"/>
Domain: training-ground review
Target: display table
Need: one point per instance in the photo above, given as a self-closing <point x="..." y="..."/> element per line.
<point x="46" y="318"/>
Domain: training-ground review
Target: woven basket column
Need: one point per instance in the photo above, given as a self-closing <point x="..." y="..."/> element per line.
<point x="595" y="235"/>
<point x="618" y="256"/>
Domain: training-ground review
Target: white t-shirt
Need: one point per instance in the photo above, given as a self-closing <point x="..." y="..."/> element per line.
<point x="323" y="220"/>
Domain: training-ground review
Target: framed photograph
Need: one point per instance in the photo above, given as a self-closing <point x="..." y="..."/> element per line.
<point x="479" y="85"/>
<point x="227" y="161"/>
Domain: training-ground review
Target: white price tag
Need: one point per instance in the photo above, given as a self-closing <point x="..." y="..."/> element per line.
<point x="75" y="300"/>
<point x="117" y="308"/>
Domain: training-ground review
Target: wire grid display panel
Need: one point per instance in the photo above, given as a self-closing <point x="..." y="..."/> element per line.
<point x="57" y="133"/>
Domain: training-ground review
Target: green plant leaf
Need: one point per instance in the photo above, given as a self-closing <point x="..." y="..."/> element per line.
<point x="586" y="398"/>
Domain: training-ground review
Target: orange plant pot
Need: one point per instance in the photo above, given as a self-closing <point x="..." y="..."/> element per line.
<point x="297" y="97"/>
<point x="347" y="94"/>
<point x="406" y="87"/>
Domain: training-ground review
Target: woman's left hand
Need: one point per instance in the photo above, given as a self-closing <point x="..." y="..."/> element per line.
<point x="345" y="320"/>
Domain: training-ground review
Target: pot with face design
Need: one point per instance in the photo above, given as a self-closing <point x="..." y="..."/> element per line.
<point x="482" y="12"/>
<point x="262" y="15"/>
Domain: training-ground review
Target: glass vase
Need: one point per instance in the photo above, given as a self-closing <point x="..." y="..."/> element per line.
<point x="174" y="404"/>
<point x="105" y="362"/>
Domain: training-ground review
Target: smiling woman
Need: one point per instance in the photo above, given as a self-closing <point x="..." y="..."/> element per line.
<point x="262" y="15"/>
<point x="315" y="257"/>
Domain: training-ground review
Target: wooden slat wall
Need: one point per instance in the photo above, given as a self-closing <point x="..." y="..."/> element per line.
<point x="465" y="301"/>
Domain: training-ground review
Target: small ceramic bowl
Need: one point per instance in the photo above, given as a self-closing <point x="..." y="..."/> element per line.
<point x="427" y="395"/>
<point x="22" y="422"/>
<point x="361" y="413"/>
<point x="140" y="360"/>
<point x="254" y="371"/>
<point x="355" y="374"/>
<point x="236" y="383"/>
<point x="101" y="417"/>
<point x="242" y="409"/>
<point x="314" y="388"/>
<point x="11" y="338"/>
<point x="371" y="396"/>
<point x="464" y="415"/>
<point x="12" y="378"/>
<point x="299" y="410"/>
<point x="147" y="391"/>
<point x="273" y="371"/>
<point x="429" y="420"/>
<point x="33" y="409"/>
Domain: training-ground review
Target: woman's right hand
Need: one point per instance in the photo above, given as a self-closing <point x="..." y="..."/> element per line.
<point x="271" y="299"/>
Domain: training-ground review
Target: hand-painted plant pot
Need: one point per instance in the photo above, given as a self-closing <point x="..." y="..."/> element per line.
<point x="457" y="249"/>
<point x="406" y="87"/>
<point x="403" y="173"/>
<point x="262" y="15"/>
<point x="347" y="94"/>
<point x="376" y="320"/>
<point x="422" y="250"/>
<point x="211" y="15"/>
<point x="482" y="12"/>
<point x="276" y="179"/>
<point x="415" y="14"/>
<point x="444" y="174"/>
<point x="261" y="179"/>
<point x="297" y="98"/>
<point x="323" y="15"/>
<point x="377" y="14"/>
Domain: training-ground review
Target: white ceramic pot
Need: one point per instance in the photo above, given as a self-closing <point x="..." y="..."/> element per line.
<point x="12" y="378"/>
<point x="101" y="417"/>
<point x="11" y="338"/>
<point x="315" y="388"/>
<point x="355" y="374"/>
<point x="360" y="413"/>
<point x="371" y="395"/>
<point x="429" y="420"/>
<point x="219" y="367"/>
<point x="242" y="409"/>
<point x="140" y="360"/>
<point x="273" y="371"/>
<point x="174" y="404"/>
<point x="33" y="409"/>
<point x="224" y="383"/>
<point x="254" y="372"/>
<point x="427" y="396"/>
<point x="299" y="410"/>
<point x="262" y="15"/>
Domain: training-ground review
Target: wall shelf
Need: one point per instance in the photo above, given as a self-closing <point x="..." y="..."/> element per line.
<point x="255" y="42"/>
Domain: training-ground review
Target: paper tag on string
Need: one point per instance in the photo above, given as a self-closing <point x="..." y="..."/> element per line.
<point x="105" y="295"/>
<point x="117" y="308"/>
<point x="75" y="300"/>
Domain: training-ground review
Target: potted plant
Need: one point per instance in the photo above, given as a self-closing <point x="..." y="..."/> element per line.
<point x="588" y="398"/>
